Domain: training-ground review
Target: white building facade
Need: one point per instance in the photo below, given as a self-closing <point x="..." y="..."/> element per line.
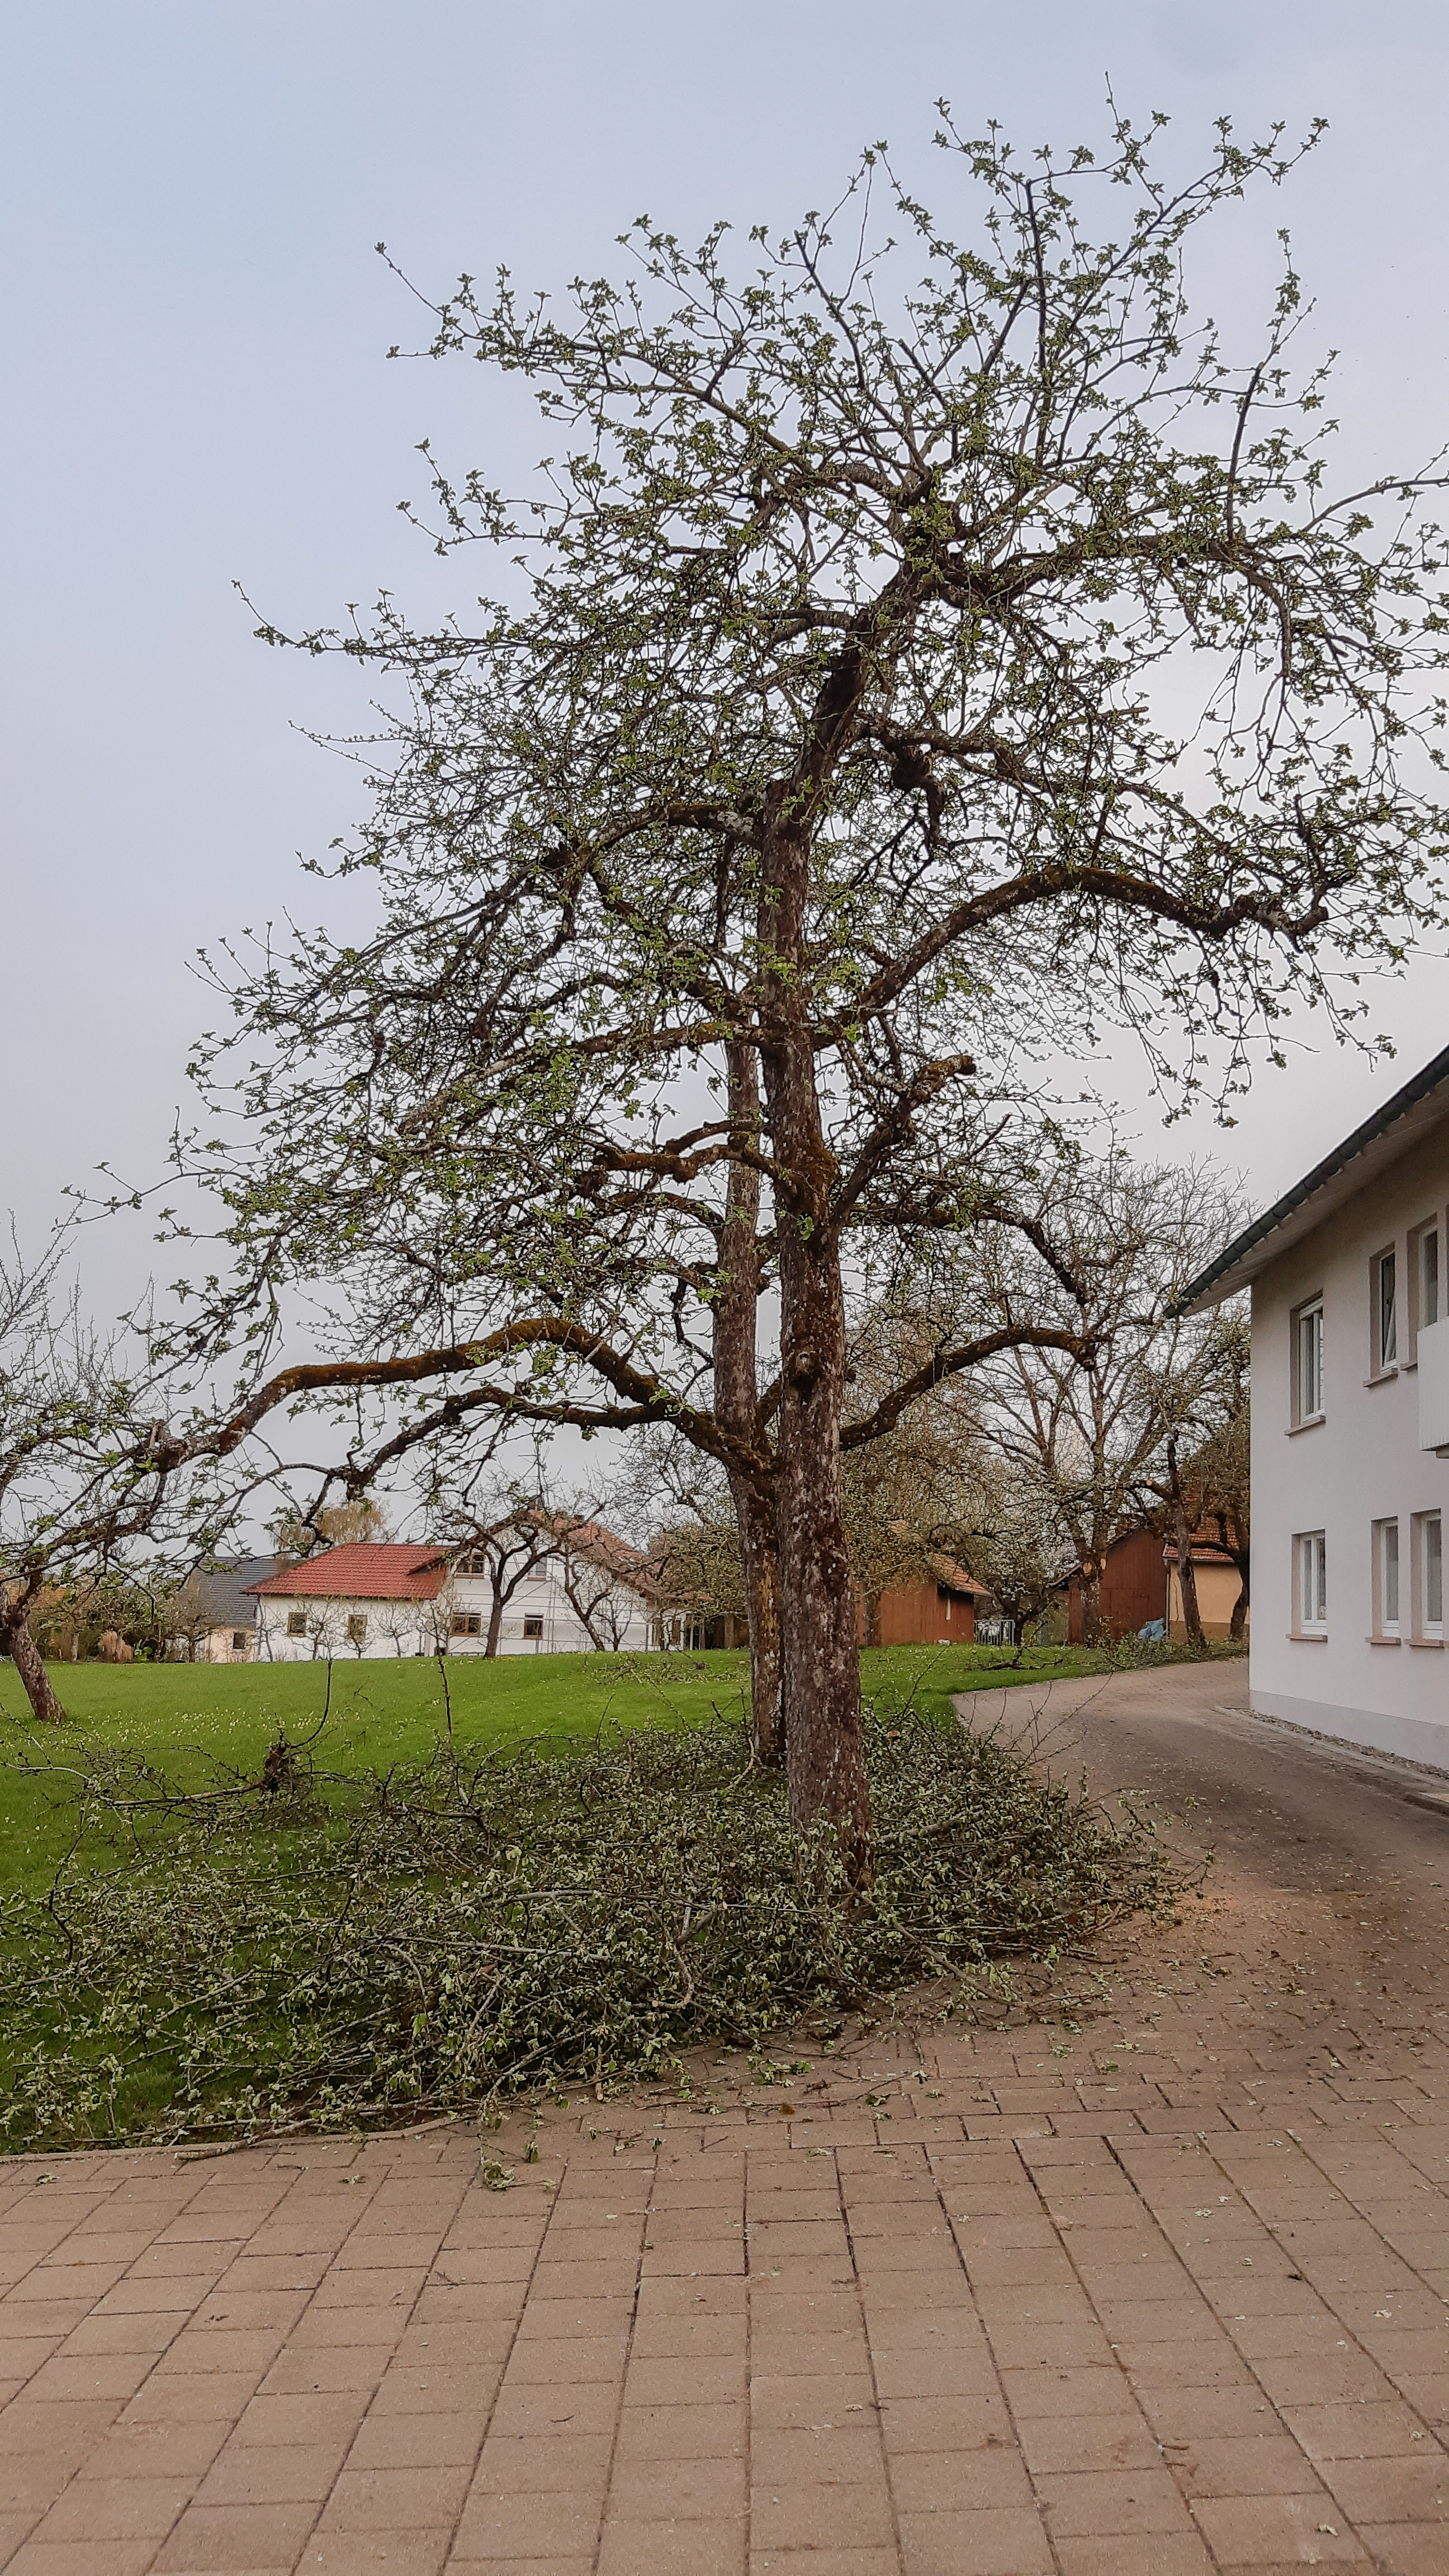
<point x="1350" y="1441"/>
<point x="539" y="1618"/>
<point x="387" y="1601"/>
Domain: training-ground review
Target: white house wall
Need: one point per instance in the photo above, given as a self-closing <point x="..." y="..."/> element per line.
<point x="562" y="1632"/>
<point x="218" y="1645"/>
<point x="1361" y="1464"/>
<point x="274" y="1646"/>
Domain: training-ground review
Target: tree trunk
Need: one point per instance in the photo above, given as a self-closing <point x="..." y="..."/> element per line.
<point x="737" y="1408"/>
<point x="1091" y="1585"/>
<point x="1187" y="1581"/>
<point x="761" y="1566"/>
<point x="26" y="1657"/>
<point x="1239" y="1619"/>
<point x="820" y="1661"/>
<point x="495" y="1623"/>
<point x="820" y="1676"/>
<point x="586" y="1612"/>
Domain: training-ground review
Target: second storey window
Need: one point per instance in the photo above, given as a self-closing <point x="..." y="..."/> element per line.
<point x="1386" y="1578"/>
<point x="1428" y="1576"/>
<point x="1424" y="1276"/>
<point x="1385" y="1315"/>
<point x="1310" y="1573"/>
<point x="1308" y="1362"/>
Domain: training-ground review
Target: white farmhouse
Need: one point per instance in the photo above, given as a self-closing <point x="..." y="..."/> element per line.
<point x="1350" y="1459"/>
<point x="386" y="1600"/>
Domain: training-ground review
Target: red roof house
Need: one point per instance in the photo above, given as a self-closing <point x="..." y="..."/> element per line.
<point x="368" y="1571"/>
<point x="382" y="1597"/>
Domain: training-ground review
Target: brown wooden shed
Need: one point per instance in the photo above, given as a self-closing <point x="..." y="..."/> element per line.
<point x="1134" y="1587"/>
<point x="939" y="1609"/>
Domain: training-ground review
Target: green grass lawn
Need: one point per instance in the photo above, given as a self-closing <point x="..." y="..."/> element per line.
<point x="194" y="1722"/>
<point x="387" y="1932"/>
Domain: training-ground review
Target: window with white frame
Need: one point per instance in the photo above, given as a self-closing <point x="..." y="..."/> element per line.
<point x="1310" y="1583"/>
<point x="1384" y="1321"/>
<point x="1429" y="1576"/>
<point x="1386" y="1578"/>
<point x="1308" y="1362"/>
<point x="1424" y="1289"/>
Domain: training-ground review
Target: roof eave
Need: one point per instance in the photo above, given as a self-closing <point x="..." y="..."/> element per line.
<point x="1371" y="1148"/>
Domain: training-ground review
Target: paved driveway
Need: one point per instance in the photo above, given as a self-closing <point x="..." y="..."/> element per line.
<point x="1159" y="2285"/>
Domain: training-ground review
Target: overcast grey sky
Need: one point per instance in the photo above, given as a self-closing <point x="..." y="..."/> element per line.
<point x="197" y="393"/>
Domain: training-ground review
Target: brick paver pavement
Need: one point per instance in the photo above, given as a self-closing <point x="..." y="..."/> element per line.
<point x="1156" y="2287"/>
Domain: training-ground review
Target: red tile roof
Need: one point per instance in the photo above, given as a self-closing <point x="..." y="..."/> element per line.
<point x="366" y="1572"/>
<point x="605" y="1549"/>
<point x="954" y="1576"/>
<point x="1203" y="1551"/>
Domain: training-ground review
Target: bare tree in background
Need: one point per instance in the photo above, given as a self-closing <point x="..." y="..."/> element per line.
<point x="183" y="1617"/>
<point x="1089" y="1433"/>
<point x="1203" y="1481"/>
<point x="604" y="1581"/>
<point x="503" y="1537"/>
<point x="934" y="1487"/>
<point x="91" y="1481"/>
<point x="508" y="1534"/>
<point x="435" y="1623"/>
<point x="1222" y="1467"/>
<point x="401" y="1623"/>
<point x="684" y="1502"/>
<point x="324" y="1630"/>
<point x="1007" y="1534"/>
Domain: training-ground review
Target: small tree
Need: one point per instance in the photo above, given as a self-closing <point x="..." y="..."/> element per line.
<point x="183" y="1617"/>
<point x="504" y="1538"/>
<point x="934" y="1486"/>
<point x="915" y="651"/>
<point x="401" y="1623"/>
<point x="324" y="1630"/>
<point x="435" y="1623"/>
<point x="605" y="1583"/>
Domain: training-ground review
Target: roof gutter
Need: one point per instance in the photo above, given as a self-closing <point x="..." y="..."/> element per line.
<point x="1427" y="1080"/>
